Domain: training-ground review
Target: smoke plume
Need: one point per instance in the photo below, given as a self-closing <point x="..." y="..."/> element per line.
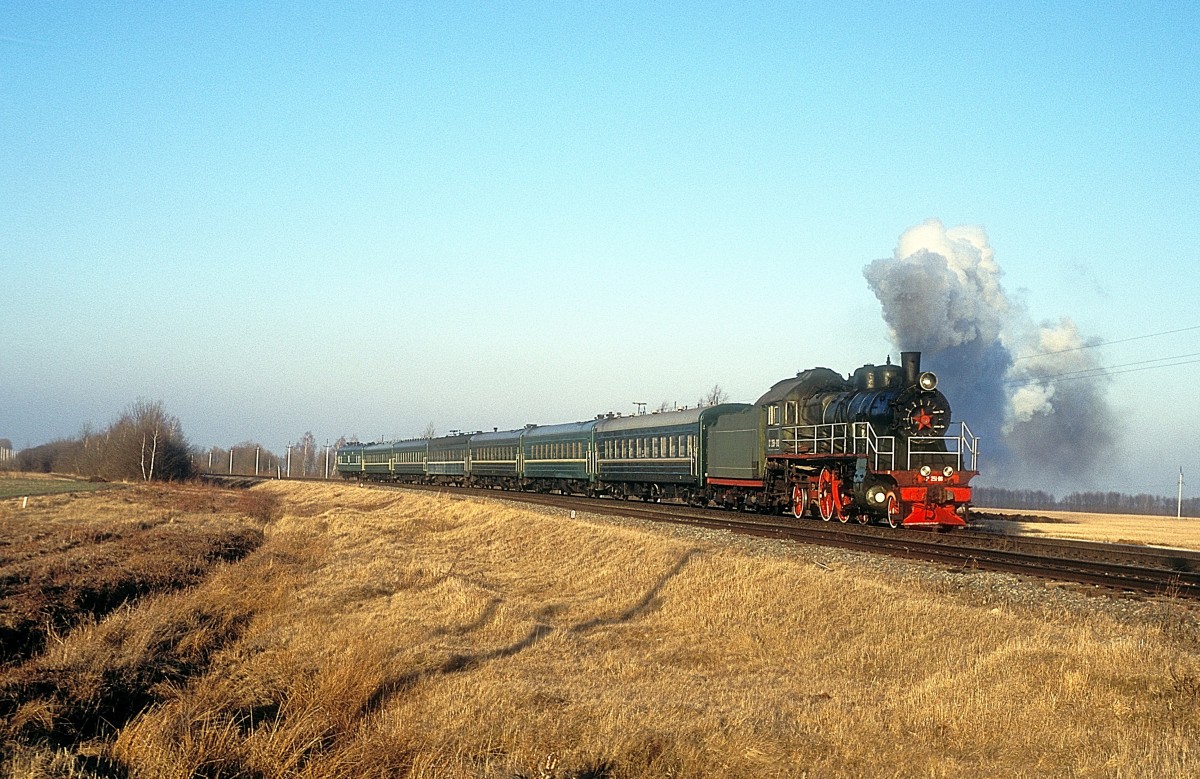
<point x="1036" y="399"/>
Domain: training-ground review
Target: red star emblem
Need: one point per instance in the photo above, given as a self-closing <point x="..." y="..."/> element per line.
<point x="922" y="419"/>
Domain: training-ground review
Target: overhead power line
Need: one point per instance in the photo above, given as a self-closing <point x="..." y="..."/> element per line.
<point x="1107" y="343"/>
<point x="1103" y="371"/>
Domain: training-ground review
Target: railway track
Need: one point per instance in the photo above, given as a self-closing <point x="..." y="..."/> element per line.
<point x="1153" y="571"/>
<point x="1141" y="570"/>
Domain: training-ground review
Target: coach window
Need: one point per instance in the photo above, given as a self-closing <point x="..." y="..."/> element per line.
<point x="773" y="415"/>
<point x="790" y="413"/>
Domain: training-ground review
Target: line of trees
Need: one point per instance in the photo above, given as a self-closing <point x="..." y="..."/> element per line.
<point x="1095" y="502"/>
<point x="144" y="443"/>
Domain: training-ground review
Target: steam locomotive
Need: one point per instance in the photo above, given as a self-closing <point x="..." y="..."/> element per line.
<point x="874" y="446"/>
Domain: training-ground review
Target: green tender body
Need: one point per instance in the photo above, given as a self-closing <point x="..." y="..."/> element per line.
<point x="734" y="445"/>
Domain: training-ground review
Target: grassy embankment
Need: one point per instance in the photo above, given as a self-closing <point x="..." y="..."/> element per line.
<point x="402" y="634"/>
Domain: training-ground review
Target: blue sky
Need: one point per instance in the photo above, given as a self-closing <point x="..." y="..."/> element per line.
<point x="359" y="220"/>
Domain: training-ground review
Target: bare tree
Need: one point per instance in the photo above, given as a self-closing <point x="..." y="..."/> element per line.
<point x="430" y="431"/>
<point x="308" y="454"/>
<point x="715" y="396"/>
<point x="148" y="473"/>
<point x="159" y="436"/>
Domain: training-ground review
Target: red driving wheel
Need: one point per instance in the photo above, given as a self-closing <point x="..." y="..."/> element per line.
<point x="799" y="501"/>
<point x="894" y="517"/>
<point x="829" y="499"/>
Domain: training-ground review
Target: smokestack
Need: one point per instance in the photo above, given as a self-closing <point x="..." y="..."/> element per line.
<point x="912" y="367"/>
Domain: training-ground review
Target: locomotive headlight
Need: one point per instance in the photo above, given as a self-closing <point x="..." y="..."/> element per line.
<point x="928" y="381"/>
<point x="948" y="471"/>
<point x="926" y="470"/>
<point x="877" y="494"/>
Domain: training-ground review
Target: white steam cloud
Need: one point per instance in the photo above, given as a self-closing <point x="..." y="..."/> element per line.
<point x="1036" y="398"/>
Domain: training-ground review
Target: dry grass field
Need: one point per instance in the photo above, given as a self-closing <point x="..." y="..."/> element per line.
<point x="1183" y="533"/>
<point x="334" y="631"/>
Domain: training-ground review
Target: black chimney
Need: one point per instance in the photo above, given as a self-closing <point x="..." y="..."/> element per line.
<point x="912" y="367"/>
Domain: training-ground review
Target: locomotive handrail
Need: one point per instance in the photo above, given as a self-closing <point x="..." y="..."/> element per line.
<point x="956" y="446"/>
<point x="856" y="438"/>
<point x="970" y="443"/>
<point x="860" y="438"/>
<point x="875" y="445"/>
